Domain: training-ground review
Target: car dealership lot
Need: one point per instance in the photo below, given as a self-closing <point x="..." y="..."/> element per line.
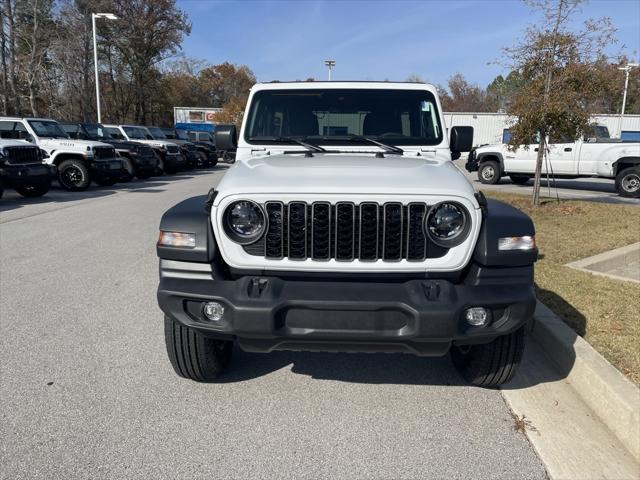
<point x="86" y="388"/>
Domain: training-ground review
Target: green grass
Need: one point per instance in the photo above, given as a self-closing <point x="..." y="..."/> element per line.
<point x="606" y="312"/>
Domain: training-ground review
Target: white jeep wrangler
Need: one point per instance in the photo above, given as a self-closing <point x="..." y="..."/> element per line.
<point x="344" y="226"/>
<point x="598" y="156"/>
<point x="78" y="162"/>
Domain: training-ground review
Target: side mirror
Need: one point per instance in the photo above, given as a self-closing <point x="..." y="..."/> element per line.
<point x="461" y="139"/>
<point x="225" y="137"/>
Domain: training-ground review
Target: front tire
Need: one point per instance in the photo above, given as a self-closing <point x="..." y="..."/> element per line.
<point x="489" y="173"/>
<point x="628" y="182"/>
<point x="73" y="175"/>
<point x="35" y="189"/>
<point x="193" y="355"/>
<point x="492" y="364"/>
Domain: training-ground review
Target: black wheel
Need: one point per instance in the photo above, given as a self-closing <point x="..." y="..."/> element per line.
<point x="519" y="179"/>
<point x="1" y="188"/>
<point x="128" y="165"/>
<point x="202" y="159"/>
<point x="34" y="189"/>
<point x="628" y="182"/>
<point x="490" y="364"/>
<point x="193" y="355"/>
<point x="213" y="160"/>
<point x="106" y="182"/>
<point x="73" y="175"/>
<point x="489" y="172"/>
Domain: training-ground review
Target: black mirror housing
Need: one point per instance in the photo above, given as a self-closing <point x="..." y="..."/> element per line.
<point x="461" y="139"/>
<point x="225" y="137"/>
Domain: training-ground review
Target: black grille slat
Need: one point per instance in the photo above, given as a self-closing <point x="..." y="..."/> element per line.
<point x="22" y="155"/>
<point x="392" y="231"/>
<point x="104" y="152"/>
<point x="321" y="231"/>
<point x="345" y="231"/>
<point x="369" y="226"/>
<point x="416" y="240"/>
<point x="297" y="230"/>
<point x="274" y="241"/>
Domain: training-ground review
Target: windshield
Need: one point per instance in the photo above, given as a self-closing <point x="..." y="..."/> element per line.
<point x="115" y="133"/>
<point x="157" y="133"/>
<point x="328" y="116"/>
<point x="168" y="133"/>
<point x="136" y="132"/>
<point x="98" y="131"/>
<point x="182" y="135"/>
<point x="47" y="129"/>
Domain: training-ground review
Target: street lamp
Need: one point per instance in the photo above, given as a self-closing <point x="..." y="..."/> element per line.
<point x="108" y="16"/>
<point x="627" y="68"/>
<point x="330" y="65"/>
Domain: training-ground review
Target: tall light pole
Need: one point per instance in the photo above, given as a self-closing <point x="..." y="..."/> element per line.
<point x="627" y="68"/>
<point x="330" y="65"/>
<point x="109" y="16"/>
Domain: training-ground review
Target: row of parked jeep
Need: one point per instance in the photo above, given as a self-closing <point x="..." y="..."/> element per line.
<point x="36" y="151"/>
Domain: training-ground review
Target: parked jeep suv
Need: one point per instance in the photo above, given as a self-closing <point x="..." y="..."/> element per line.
<point x="187" y="149"/>
<point x="345" y="226"/>
<point x="23" y="168"/>
<point x="78" y="162"/>
<point x="139" y="159"/>
<point x="207" y="156"/>
<point x="168" y="152"/>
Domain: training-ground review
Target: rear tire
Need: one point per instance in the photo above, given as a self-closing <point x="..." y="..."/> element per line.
<point x="35" y="189"/>
<point x="628" y="182"/>
<point x="193" y="355"/>
<point x="73" y="175"/>
<point x="519" y="179"/>
<point x="489" y="172"/>
<point x="491" y="364"/>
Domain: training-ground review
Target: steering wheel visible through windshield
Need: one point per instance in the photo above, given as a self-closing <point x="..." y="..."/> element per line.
<point x="331" y="116"/>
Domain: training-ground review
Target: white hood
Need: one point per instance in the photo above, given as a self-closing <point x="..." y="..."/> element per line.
<point x="345" y="174"/>
<point x="70" y="144"/>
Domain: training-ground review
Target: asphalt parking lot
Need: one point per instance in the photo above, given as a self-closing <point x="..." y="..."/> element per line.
<point x="591" y="189"/>
<point x="86" y="389"/>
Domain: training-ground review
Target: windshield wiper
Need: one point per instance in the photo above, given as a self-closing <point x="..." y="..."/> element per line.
<point x="309" y="146"/>
<point x="388" y="148"/>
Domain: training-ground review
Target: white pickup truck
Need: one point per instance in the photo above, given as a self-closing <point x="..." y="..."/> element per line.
<point x="586" y="157"/>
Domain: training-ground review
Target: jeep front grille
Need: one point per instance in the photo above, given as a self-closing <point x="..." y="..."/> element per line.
<point x="22" y="155"/>
<point x="345" y="231"/>
<point x="173" y="149"/>
<point x="104" y="152"/>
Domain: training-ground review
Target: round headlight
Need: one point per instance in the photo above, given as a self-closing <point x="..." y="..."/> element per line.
<point x="447" y="224"/>
<point x="244" y="221"/>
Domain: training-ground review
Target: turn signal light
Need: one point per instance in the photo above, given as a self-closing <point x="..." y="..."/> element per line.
<point x="177" y="239"/>
<point x="527" y="242"/>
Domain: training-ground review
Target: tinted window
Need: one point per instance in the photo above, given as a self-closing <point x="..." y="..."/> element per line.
<point x="47" y="129"/>
<point x="13" y="131"/>
<point x="182" y="135"/>
<point x="115" y="133"/>
<point x="401" y="117"/>
<point x="193" y="136"/>
<point x="157" y="133"/>
<point x="169" y="134"/>
<point x="98" y="131"/>
<point x="137" y="133"/>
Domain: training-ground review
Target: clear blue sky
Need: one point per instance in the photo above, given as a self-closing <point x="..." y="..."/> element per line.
<point x="375" y="40"/>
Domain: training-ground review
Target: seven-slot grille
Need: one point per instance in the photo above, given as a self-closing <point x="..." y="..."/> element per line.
<point x="345" y="231"/>
<point x="104" y="152"/>
<point x="22" y="155"/>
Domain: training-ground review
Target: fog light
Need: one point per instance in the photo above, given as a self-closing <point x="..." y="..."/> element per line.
<point x="476" y="316"/>
<point x="213" y="311"/>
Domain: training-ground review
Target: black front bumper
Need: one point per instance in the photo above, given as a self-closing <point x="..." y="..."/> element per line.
<point x="18" y="175"/>
<point x="421" y="316"/>
<point x="107" y="169"/>
<point x="148" y="164"/>
<point x="175" y="160"/>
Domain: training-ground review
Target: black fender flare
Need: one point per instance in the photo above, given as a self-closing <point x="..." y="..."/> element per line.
<point x="623" y="163"/>
<point x="486" y="156"/>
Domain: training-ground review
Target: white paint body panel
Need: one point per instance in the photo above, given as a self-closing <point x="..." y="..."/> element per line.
<point x="423" y="174"/>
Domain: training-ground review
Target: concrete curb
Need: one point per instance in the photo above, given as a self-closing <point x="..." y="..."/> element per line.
<point x="611" y="396"/>
<point x="608" y="260"/>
